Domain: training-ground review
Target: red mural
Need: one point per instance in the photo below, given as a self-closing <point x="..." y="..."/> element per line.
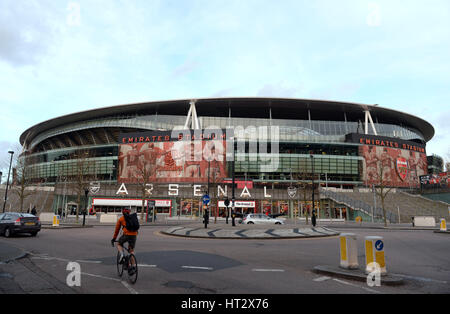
<point x="180" y="161"/>
<point x="398" y="167"/>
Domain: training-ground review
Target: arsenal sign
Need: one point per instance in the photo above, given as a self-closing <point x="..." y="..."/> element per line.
<point x="402" y="168"/>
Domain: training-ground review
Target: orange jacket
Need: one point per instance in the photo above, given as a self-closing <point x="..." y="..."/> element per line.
<point x="122" y="223"/>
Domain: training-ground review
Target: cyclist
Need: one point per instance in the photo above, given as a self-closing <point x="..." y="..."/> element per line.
<point x="127" y="236"/>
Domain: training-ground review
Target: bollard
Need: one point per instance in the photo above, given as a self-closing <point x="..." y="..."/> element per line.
<point x="375" y="254"/>
<point x="443" y="225"/>
<point x="55" y="221"/>
<point x="349" y="251"/>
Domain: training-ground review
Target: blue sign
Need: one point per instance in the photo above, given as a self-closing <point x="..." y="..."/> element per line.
<point x="379" y="245"/>
<point x="206" y="199"/>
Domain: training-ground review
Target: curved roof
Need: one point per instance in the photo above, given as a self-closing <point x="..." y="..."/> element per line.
<point x="255" y="107"/>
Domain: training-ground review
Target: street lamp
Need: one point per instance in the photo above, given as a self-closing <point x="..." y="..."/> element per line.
<point x="312" y="179"/>
<point x="86" y="192"/>
<point x="232" y="194"/>
<point x="7" y="182"/>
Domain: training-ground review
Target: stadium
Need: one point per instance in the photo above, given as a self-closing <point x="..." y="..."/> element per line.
<point x="123" y="154"/>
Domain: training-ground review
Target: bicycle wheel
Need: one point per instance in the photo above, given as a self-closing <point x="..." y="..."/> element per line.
<point x="119" y="266"/>
<point x="132" y="268"/>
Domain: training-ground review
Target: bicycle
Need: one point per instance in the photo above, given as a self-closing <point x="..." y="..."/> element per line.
<point x="127" y="264"/>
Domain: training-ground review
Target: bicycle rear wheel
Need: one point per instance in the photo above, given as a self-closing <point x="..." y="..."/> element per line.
<point x="120" y="266"/>
<point x="132" y="268"/>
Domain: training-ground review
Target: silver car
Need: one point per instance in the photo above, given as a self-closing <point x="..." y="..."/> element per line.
<point x="260" y="219"/>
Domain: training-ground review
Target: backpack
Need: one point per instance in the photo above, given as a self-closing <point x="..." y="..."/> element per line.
<point x="132" y="222"/>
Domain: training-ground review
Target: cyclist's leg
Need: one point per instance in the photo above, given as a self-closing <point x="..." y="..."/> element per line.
<point x="131" y="246"/>
<point x="120" y="243"/>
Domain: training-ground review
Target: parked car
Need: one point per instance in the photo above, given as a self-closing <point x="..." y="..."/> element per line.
<point x="260" y="219"/>
<point x="13" y="223"/>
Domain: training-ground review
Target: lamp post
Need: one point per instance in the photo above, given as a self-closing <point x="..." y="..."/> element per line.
<point x="7" y="182"/>
<point x="86" y="192"/>
<point x="232" y="194"/>
<point x="312" y="179"/>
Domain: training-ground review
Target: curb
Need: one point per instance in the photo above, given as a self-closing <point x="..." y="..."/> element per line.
<point x="22" y="253"/>
<point x="356" y="274"/>
<point x="439" y="231"/>
<point x="236" y="235"/>
<point x="65" y="227"/>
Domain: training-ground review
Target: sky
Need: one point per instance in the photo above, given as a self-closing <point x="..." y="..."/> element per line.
<point x="61" y="57"/>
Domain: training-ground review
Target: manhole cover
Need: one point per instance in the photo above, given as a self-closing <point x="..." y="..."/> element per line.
<point x="179" y="284"/>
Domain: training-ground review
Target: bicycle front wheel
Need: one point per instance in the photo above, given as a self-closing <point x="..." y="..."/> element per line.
<point x="132" y="268"/>
<point x="120" y="266"/>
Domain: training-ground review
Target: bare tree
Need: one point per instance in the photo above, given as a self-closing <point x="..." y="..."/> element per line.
<point x="85" y="172"/>
<point x="22" y="179"/>
<point x="380" y="179"/>
<point x="146" y="170"/>
<point x="146" y="174"/>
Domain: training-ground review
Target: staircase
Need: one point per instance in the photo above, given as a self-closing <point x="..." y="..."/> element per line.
<point x="395" y="202"/>
<point x="41" y="197"/>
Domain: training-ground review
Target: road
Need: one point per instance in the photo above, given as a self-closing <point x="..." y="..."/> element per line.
<point x="174" y="265"/>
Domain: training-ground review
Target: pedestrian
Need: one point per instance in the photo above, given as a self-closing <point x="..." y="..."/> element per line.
<point x="33" y="211"/>
<point x="313" y="218"/>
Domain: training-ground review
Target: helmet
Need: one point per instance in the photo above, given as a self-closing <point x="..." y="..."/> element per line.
<point x="126" y="211"/>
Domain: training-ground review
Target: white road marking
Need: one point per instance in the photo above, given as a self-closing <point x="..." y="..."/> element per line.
<point x="87" y="261"/>
<point x="145" y="265"/>
<point x="268" y="270"/>
<point x="322" y="278"/>
<point x="197" y="267"/>
<point x="126" y="285"/>
<point x="350" y="284"/>
<point x="132" y="291"/>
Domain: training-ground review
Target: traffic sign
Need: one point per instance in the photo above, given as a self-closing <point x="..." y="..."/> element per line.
<point x="206" y="199"/>
<point x="379" y="245"/>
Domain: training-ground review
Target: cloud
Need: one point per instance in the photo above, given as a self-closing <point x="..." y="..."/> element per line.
<point x="26" y="31"/>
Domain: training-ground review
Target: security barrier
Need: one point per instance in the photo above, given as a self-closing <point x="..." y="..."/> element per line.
<point x="349" y="251"/>
<point x="375" y="254"/>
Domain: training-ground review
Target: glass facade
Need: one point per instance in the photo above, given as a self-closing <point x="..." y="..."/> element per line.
<point x="61" y="164"/>
<point x="290" y="130"/>
<point x="297" y="140"/>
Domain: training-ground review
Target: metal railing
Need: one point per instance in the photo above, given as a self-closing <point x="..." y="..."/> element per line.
<point x="360" y="205"/>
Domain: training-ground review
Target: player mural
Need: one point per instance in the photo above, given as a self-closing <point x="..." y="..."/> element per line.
<point x="398" y="167"/>
<point x="164" y="160"/>
<point x="391" y="161"/>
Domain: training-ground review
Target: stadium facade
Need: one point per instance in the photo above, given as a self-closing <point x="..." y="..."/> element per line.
<point x="277" y="148"/>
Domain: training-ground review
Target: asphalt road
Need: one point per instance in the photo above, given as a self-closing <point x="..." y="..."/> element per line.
<point x="174" y="265"/>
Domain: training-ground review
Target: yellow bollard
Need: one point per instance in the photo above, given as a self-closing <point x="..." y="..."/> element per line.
<point x="55" y="221"/>
<point x="375" y="255"/>
<point x="443" y="225"/>
<point x="349" y="251"/>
